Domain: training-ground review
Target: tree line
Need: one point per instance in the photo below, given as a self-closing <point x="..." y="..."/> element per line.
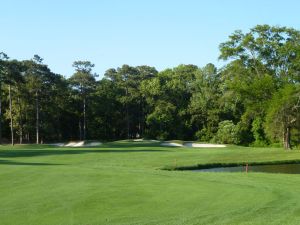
<point x="254" y="99"/>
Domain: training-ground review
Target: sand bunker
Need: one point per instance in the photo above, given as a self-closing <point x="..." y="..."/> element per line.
<point x="196" y="145"/>
<point x="192" y="145"/>
<point x="138" y="140"/>
<point x="78" y="144"/>
<point x="171" y="144"/>
<point x="144" y="140"/>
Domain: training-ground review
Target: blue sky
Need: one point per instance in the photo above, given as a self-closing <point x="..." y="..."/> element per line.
<point x="160" y="33"/>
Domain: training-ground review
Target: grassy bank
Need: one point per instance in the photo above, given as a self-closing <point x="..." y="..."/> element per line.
<point x="123" y="183"/>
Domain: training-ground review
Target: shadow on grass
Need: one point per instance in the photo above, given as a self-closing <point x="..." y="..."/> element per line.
<point x="236" y="164"/>
<point x="41" y="152"/>
<point x="6" y="162"/>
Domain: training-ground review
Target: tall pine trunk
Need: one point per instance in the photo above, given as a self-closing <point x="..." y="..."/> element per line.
<point x="20" y="122"/>
<point x="21" y="135"/>
<point x="287" y="138"/>
<point x="141" y="118"/>
<point x="127" y="120"/>
<point x="10" y="115"/>
<point x="84" y="118"/>
<point x="80" y="130"/>
<point x="37" y="117"/>
<point x="127" y="115"/>
<point x="0" y="112"/>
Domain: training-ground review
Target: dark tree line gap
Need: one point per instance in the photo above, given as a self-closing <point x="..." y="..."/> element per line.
<point x="253" y="100"/>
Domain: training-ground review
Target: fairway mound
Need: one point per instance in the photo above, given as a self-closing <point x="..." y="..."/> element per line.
<point x="171" y="144"/>
<point x="57" y="144"/>
<point x="197" y="145"/>
<point x="155" y="141"/>
<point x="145" y="140"/>
<point x="82" y="144"/>
<point x="93" y="144"/>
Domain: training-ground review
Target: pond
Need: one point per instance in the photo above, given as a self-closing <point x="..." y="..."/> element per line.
<point x="281" y="168"/>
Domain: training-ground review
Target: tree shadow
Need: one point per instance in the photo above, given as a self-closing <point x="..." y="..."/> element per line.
<point x="6" y="162"/>
<point x="61" y="151"/>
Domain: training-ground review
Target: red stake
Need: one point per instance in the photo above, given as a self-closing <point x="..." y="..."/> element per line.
<point x="246" y="167"/>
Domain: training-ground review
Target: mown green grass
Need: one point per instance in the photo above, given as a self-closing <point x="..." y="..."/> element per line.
<point x="123" y="183"/>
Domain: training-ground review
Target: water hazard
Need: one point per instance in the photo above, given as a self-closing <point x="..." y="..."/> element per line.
<point x="281" y="168"/>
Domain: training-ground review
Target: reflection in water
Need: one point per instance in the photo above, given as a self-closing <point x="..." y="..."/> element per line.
<point x="282" y="168"/>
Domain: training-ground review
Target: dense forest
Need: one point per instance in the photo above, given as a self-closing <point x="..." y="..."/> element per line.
<point x="254" y="99"/>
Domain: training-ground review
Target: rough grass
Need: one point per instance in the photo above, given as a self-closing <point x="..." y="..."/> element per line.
<point x="122" y="183"/>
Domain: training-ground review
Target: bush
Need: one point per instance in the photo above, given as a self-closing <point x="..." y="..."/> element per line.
<point x="203" y="135"/>
<point x="228" y="133"/>
<point x="258" y="133"/>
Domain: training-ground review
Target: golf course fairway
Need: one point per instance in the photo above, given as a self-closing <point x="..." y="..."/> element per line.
<point x="126" y="183"/>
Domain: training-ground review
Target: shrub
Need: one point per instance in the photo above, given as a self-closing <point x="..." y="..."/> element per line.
<point x="258" y="133"/>
<point x="203" y="135"/>
<point x="228" y="133"/>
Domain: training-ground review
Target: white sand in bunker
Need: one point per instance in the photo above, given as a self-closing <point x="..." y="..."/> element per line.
<point x="171" y="144"/>
<point x="71" y="144"/>
<point x="193" y="145"/>
<point x="144" y="140"/>
<point x="197" y="145"/>
<point x="78" y="144"/>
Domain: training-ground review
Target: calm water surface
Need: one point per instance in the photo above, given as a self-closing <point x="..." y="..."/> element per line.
<point x="282" y="168"/>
